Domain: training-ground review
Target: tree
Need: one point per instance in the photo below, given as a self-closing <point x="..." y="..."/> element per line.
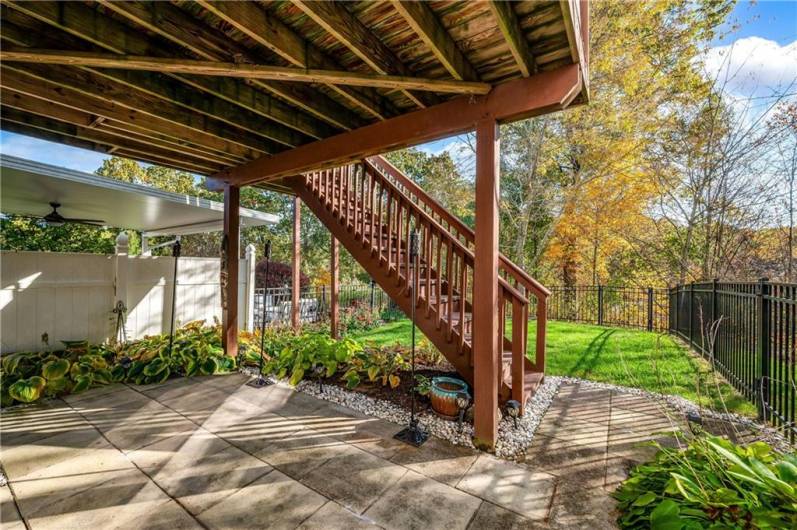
<point x="279" y="275"/>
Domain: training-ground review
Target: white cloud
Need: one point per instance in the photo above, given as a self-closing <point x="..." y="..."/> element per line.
<point x="753" y="66"/>
<point x="458" y="149"/>
<point x="50" y="152"/>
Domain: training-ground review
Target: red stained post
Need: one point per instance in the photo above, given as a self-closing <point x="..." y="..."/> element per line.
<point x="334" y="268"/>
<point x="487" y="356"/>
<point x="229" y="335"/>
<point x="296" y="269"/>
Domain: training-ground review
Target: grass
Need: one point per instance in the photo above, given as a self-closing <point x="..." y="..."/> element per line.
<point x="626" y="357"/>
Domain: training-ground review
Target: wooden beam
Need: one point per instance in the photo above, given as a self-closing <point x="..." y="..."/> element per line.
<point x="334" y="291"/>
<point x="173" y="24"/>
<point x="542" y="93"/>
<point x="270" y="32"/>
<point x="486" y="334"/>
<point x="229" y="331"/>
<point x="39" y="86"/>
<point x="508" y="24"/>
<point x="425" y="24"/>
<point x="98" y="136"/>
<point x="348" y="30"/>
<point x="218" y="98"/>
<point x="296" y="264"/>
<point x="249" y="71"/>
<point x="89" y="25"/>
<point x="164" y="87"/>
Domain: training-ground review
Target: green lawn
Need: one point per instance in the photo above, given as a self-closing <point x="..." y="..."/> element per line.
<point x="625" y="357"/>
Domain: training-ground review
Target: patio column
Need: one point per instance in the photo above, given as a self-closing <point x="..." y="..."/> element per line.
<point x="229" y="331"/>
<point x="296" y="263"/>
<point x="335" y="287"/>
<point x="486" y="349"/>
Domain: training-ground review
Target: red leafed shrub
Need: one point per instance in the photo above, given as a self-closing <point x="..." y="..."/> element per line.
<point x="279" y="275"/>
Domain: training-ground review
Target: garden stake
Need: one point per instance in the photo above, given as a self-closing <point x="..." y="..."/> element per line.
<point x="414" y="434"/>
<point x="263" y="381"/>
<point x="176" y="256"/>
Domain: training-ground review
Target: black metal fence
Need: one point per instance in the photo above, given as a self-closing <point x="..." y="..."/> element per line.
<point x="637" y="307"/>
<point x="314" y="302"/>
<point x="748" y="330"/>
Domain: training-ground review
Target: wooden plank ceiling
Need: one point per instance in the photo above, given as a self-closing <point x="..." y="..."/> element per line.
<point x="204" y="85"/>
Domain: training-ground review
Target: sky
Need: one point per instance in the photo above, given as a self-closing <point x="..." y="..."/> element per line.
<point x="758" y="48"/>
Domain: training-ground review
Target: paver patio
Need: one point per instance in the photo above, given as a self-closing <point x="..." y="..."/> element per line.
<point x="215" y="453"/>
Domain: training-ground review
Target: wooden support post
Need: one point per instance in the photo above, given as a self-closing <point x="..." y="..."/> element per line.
<point x="296" y="269"/>
<point x="335" y="290"/>
<point x="486" y="350"/>
<point x="232" y="219"/>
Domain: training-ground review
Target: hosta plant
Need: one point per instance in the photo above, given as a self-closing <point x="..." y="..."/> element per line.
<point x="380" y="365"/>
<point x="28" y="376"/>
<point x="305" y="353"/>
<point x="712" y="483"/>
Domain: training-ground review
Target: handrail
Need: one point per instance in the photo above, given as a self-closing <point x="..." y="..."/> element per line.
<point x="440" y="228"/>
<point x="506" y="264"/>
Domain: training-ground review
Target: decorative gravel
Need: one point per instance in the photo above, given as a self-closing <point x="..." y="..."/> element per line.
<point x="513" y="442"/>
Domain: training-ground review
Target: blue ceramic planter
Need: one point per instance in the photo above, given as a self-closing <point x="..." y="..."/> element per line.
<point x="444" y="395"/>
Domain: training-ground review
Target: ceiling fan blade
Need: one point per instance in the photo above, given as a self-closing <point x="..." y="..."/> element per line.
<point x="87" y="223"/>
<point x="84" y="221"/>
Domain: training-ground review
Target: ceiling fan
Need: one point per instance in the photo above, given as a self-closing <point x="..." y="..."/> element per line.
<point x="56" y="219"/>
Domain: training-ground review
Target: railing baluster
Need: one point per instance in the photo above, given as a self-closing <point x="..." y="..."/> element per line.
<point x="389" y="231"/>
<point x="463" y="282"/>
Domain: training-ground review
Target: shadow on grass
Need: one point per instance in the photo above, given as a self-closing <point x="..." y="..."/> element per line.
<point x="591" y="354"/>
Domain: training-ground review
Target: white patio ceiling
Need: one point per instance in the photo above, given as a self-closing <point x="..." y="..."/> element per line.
<point x="27" y="188"/>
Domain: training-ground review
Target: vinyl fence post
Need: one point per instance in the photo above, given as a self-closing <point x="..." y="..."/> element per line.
<point x="249" y="288"/>
<point x="763" y="343"/>
<point x="600" y="305"/>
<point x="650" y="308"/>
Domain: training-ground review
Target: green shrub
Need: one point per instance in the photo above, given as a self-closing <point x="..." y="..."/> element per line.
<point x="712" y="483"/>
<point x="26" y="377"/>
<point x="377" y="364"/>
<point x="358" y="317"/>
<point x="423" y="385"/>
<point x="302" y="354"/>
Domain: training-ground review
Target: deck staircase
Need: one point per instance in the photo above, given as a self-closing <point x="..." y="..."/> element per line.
<point x="371" y="208"/>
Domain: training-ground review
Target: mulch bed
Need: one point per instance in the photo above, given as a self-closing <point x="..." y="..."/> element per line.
<point x="401" y="395"/>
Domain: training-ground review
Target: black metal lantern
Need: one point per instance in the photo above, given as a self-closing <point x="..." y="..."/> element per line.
<point x="263" y="381"/>
<point x="413" y="434"/>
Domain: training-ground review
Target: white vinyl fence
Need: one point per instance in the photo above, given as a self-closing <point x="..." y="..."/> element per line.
<point x="71" y="296"/>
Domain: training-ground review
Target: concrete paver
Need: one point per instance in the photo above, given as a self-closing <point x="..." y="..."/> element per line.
<point x="212" y="452"/>
<point x="416" y="501"/>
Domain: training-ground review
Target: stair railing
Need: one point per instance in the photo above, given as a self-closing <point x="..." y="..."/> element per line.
<point x="511" y="272"/>
<point x="380" y="206"/>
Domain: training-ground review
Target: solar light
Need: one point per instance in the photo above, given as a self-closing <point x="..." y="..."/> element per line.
<point x="318" y="372"/>
<point x="463" y="400"/>
<point x="513" y="410"/>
